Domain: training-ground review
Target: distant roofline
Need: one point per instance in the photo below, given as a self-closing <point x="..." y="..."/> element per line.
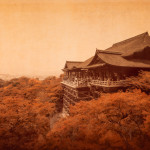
<point x="117" y="51"/>
<point x="74" y="61"/>
<point x="145" y="33"/>
<point x="108" y="52"/>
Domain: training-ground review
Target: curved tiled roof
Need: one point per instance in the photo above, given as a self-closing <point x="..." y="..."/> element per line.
<point x="71" y="64"/>
<point x="131" y="45"/>
<point x="118" y="60"/>
<point x="85" y="63"/>
<point x="133" y="52"/>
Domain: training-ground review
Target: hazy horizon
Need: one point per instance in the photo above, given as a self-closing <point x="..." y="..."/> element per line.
<point x="38" y="36"/>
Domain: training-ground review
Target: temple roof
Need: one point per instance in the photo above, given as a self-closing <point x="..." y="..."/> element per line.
<point x="71" y="64"/>
<point x="118" y="60"/>
<point x="85" y="63"/>
<point x="133" y="52"/>
<point x="131" y="45"/>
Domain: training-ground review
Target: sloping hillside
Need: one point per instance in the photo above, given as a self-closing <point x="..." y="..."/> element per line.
<point x="30" y="117"/>
<point x="26" y="107"/>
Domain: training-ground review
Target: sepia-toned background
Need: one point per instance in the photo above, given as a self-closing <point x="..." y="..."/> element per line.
<point x="38" y="36"/>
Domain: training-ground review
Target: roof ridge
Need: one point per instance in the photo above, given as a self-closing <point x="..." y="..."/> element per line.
<point x="132" y="38"/>
<point x="108" y="52"/>
<point x="74" y="61"/>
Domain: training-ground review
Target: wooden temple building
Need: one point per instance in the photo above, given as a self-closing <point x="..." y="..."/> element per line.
<point x="107" y="70"/>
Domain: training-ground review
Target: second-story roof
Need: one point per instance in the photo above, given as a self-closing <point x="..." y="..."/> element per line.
<point x="131" y="45"/>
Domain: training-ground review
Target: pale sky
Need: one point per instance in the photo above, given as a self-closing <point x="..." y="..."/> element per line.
<point x="38" y="36"/>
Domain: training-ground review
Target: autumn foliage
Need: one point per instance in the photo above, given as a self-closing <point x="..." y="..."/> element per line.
<point x="142" y="81"/>
<point x="115" y="121"/>
<point x="26" y="106"/>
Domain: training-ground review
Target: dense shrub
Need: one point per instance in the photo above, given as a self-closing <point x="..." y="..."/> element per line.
<point x="142" y="81"/>
<point x="26" y="107"/>
<point x="114" y="121"/>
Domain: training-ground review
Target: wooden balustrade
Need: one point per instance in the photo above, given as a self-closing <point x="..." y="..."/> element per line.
<point x="84" y="83"/>
<point x="75" y="83"/>
<point x="109" y="83"/>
